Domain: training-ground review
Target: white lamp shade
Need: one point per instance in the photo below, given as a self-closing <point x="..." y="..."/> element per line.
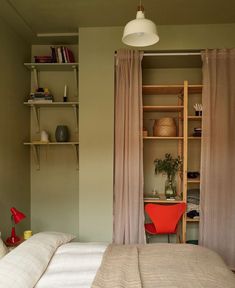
<point x="140" y="32"/>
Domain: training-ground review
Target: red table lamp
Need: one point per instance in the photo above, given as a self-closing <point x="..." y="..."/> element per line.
<point x="16" y="217"/>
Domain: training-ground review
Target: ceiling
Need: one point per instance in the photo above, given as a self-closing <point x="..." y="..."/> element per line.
<point x="40" y="16"/>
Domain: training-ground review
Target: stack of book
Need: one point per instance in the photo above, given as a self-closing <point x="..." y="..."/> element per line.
<point x="62" y="54"/>
<point x="41" y="96"/>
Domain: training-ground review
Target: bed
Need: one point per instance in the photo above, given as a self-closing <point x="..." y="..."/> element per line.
<point x="51" y="260"/>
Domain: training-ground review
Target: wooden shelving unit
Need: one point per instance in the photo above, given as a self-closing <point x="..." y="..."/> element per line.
<point x="183" y="93"/>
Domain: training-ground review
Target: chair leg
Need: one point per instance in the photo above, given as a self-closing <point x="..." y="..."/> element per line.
<point x="168" y="236"/>
<point x="147" y="238"/>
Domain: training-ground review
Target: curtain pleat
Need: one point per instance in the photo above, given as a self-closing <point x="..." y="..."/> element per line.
<point x="217" y="224"/>
<point x="128" y="170"/>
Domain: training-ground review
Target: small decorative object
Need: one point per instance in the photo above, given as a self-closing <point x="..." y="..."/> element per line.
<point x="198" y="109"/>
<point x="169" y="166"/>
<point x="62" y="133"/>
<point x="145" y="132"/>
<point x="27" y="234"/>
<point x="155" y="194"/>
<point x="16" y="217"/>
<point x="44" y="136"/>
<point x="65" y="93"/>
<point x="164" y="127"/>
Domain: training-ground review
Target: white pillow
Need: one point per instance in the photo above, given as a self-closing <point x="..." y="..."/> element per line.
<point x="23" y="267"/>
<point x="3" y="249"/>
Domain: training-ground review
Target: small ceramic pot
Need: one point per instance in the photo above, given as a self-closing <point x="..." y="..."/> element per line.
<point x="62" y="133"/>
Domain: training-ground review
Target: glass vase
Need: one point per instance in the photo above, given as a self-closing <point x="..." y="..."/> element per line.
<point x="170" y="187"/>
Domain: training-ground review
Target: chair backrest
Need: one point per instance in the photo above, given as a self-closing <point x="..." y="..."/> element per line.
<point x="165" y="217"/>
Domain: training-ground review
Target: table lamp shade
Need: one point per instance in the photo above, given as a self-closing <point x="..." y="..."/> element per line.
<point x="17" y="215"/>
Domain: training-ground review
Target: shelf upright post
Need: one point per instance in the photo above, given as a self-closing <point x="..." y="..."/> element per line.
<point x="75" y="80"/>
<point x="36" y="156"/>
<point x="35" y="74"/>
<point x="75" y="110"/>
<point x="35" y="111"/>
<point x="75" y="149"/>
<point x="185" y="158"/>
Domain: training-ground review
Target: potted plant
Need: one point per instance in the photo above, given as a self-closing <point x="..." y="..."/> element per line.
<point x="169" y="166"/>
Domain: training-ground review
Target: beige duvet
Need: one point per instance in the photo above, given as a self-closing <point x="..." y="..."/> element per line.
<point x="162" y="266"/>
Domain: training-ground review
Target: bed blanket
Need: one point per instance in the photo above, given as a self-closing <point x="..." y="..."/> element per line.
<point x="162" y="265"/>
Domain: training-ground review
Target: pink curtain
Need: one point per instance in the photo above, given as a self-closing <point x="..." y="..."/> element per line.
<point x="217" y="225"/>
<point x="128" y="177"/>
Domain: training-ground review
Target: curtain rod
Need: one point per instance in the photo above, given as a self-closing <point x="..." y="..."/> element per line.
<point x="172" y="53"/>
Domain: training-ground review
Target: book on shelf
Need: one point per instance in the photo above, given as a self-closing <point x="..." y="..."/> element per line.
<point x="62" y="54"/>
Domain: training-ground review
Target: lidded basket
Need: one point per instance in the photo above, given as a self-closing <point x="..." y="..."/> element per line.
<point x="164" y="127"/>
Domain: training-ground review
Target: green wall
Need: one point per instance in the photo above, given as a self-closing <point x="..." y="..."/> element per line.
<point x="14" y="127"/>
<point x="85" y="206"/>
<point x="96" y="91"/>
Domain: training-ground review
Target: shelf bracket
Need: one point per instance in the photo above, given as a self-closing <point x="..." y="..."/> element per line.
<point x="35" y="112"/>
<point x="35" y="75"/>
<point x="36" y="156"/>
<point x="75" y="80"/>
<point x="75" y="110"/>
<point x="75" y="149"/>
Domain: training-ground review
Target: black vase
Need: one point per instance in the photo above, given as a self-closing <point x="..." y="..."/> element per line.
<point x="62" y="133"/>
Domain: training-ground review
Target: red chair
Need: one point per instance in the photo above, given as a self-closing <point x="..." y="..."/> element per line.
<point x="164" y="218"/>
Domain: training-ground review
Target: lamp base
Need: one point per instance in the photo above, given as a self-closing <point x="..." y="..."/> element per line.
<point x="13" y="239"/>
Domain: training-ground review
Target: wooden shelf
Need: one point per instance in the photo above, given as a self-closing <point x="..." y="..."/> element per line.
<point x="163" y="201"/>
<point x="36" y="150"/>
<point x="162" y="108"/>
<point x="195" y="118"/>
<point x="194" y="138"/>
<point x="51" y="66"/>
<point x="193" y="180"/>
<point x="52" y="104"/>
<point x="170" y="89"/>
<point x="162" y="138"/>
<point x="51" y="143"/>
<point x="193" y="220"/>
<point x="195" y="89"/>
<point x="35" y="107"/>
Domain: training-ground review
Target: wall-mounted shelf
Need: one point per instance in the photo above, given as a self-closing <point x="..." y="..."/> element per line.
<point x="37" y="67"/>
<point x="36" y="150"/>
<point x="52" y="66"/>
<point x="36" y="105"/>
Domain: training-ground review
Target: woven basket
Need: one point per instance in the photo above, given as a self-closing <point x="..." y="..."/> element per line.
<point x="164" y="127"/>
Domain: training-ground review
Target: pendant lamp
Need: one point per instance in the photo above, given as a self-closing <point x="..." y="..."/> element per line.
<point x="140" y="32"/>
